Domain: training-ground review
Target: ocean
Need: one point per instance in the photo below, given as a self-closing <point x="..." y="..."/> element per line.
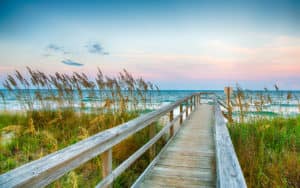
<point x="285" y="103"/>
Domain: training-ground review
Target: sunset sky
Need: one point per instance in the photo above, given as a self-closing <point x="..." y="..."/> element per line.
<point x="180" y="44"/>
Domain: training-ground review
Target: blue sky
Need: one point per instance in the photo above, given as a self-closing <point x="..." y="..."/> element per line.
<point x="176" y="44"/>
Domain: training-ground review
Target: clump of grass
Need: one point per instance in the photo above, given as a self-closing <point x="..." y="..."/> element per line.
<point x="61" y="109"/>
<point x="249" y="104"/>
<point x="268" y="151"/>
<point x="268" y="146"/>
<point x="60" y="91"/>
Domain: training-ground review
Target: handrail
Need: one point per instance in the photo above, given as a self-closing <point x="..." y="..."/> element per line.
<point x="229" y="172"/>
<point x="109" y="179"/>
<point x="43" y="171"/>
<point x="221" y="103"/>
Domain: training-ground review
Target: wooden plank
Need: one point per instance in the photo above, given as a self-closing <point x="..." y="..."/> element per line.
<point x="177" y="156"/>
<point x="141" y="178"/>
<point x="156" y="184"/>
<point x="179" y="181"/>
<point x="180" y="163"/>
<point x="187" y="169"/>
<point x="229" y="173"/>
<point x="205" y="175"/>
<point x="189" y="159"/>
<point x="190" y="153"/>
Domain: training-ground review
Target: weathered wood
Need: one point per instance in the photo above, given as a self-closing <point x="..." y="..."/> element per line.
<point x="197" y="100"/>
<point x="229" y="173"/>
<point x="199" y="96"/>
<point x="41" y="172"/>
<point x="153" y="162"/>
<point x="186" y="109"/>
<point x="151" y="135"/>
<point x="171" y="116"/>
<point x="222" y="104"/>
<point x="187" y="161"/>
<point x="106" y="159"/>
<point x="122" y="167"/>
<point x="228" y="91"/>
<point x="181" y="116"/>
<point x="191" y="103"/>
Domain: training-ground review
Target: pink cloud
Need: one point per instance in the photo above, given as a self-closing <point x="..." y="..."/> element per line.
<point x="279" y="58"/>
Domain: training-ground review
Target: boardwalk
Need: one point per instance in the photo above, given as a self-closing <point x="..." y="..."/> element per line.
<point x="189" y="160"/>
<point x="200" y="154"/>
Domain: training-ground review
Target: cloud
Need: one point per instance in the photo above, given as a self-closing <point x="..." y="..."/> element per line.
<point x="96" y="48"/>
<point x="56" y="49"/>
<point x="71" y="63"/>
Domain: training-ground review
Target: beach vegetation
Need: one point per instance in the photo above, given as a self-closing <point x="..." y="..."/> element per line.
<point x="268" y="151"/>
<point x="267" y="143"/>
<point x="58" y="110"/>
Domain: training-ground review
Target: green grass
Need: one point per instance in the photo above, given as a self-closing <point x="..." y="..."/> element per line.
<point x="268" y="151"/>
<point x="48" y="131"/>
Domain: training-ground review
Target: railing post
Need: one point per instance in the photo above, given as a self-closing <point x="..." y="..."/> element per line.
<point x="186" y="108"/>
<point x="181" y="115"/>
<point x="151" y="135"/>
<point x="106" y="159"/>
<point x="172" y="126"/>
<point x="199" y="102"/>
<point x="228" y="91"/>
<point x="191" y="104"/>
<point x="194" y="100"/>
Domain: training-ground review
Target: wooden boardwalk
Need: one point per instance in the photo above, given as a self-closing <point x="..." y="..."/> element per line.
<point x="200" y="154"/>
<point x="189" y="160"/>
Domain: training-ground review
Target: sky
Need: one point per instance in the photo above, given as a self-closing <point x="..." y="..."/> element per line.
<point x="178" y="44"/>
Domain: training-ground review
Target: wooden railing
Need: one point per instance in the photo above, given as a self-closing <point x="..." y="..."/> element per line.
<point x="229" y="172"/>
<point x="43" y="171"/>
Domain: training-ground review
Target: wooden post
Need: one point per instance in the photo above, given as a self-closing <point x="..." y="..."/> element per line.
<point x="199" y="102"/>
<point x="191" y="106"/>
<point x="195" y="101"/>
<point x="106" y="159"/>
<point x="181" y="116"/>
<point x="228" y="91"/>
<point x="186" y="108"/>
<point x="172" y="127"/>
<point x="151" y="135"/>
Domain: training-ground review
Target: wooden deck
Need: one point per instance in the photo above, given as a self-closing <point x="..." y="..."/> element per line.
<point x="189" y="159"/>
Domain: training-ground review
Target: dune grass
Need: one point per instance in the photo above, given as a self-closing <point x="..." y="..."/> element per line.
<point x="267" y="144"/>
<point x="64" y="109"/>
<point x="268" y="151"/>
<point x="32" y="143"/>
